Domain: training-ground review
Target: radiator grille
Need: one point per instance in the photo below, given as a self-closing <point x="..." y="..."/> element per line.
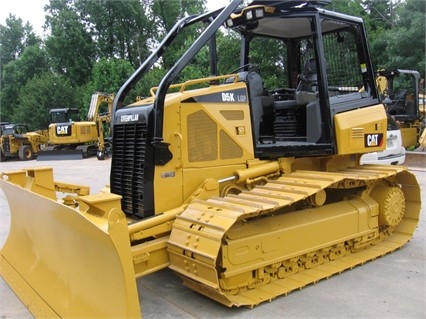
<point x="228" y="147"/>
<point x="127" y="167"/>
<point x="202" y="137"/>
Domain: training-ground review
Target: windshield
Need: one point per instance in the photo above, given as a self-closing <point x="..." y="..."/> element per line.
<point x="62" y="116"/>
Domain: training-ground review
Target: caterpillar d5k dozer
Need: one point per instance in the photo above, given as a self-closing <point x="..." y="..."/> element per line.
<point x="246" y="192"/>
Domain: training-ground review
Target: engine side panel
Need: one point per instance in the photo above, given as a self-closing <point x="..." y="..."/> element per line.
<point x="361" y="131"/>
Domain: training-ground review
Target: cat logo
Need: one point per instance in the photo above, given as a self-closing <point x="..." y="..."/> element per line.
<point x="373" y="140"/>
<point x="63" y="130"/>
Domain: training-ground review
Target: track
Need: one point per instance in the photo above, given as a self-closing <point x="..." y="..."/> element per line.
<point x="262" y="243"/>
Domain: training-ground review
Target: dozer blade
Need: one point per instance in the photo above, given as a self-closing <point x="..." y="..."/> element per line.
<point x="56" y="155"/>
<point x="68" y="262"/>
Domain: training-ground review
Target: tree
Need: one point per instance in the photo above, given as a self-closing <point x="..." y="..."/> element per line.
<point x="16" y="74"/>
<point x="94" y="45"/>
<point x="351" y="7"/>
<point x="70" y="45"/>
<point x="164" y="15"/>
<point x="107" y="77"/>
<point x="403" y="46"/>
<point x="228" y="45"/>
<point x="381" y="14"/>
<point x="407" y="45"/>
<point x="109" y="74"/>
<point x="14" y="38"/>
<point x="120" y="28"/>
<point x="42" y="93"/>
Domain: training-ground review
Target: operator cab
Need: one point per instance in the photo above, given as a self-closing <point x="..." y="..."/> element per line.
<point x="64" y="115"/>
<point x="14" y="129"/>
<point x="321" y="63"/>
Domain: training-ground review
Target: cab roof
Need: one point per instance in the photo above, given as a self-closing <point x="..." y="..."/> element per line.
<point x="296" y="26"/>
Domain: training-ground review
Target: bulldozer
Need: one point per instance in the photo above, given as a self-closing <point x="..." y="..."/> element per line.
<point x="246" y="192"/>
<point x="16" y="141"/>
<point x="399" y="90"/>
<point x="70" y="138"/>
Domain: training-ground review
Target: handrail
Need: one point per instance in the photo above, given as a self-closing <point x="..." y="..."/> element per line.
<point x="185" y="84"/>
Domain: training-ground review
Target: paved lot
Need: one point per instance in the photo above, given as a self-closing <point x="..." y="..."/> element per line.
<point x="390" y="287"/>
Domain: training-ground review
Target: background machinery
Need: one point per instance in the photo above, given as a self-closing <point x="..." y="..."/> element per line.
<point x="399" y="90"/>
<point x="246" y="192"/>
<point x="71" y="138"/>
<point x="17" y="142"/>
<point x="394" y="154"/>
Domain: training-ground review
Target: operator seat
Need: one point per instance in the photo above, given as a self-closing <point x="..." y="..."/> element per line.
<point x="308" y="78"/>
<point x="307" y="95"/>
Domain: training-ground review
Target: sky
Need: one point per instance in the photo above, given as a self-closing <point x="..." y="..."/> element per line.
<point x="32" y="11"/>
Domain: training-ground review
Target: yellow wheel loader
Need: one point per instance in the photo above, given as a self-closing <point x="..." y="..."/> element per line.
<point x="246" y="192"/>
<point x="70" y="138"/>
<point x="17" y="142"/>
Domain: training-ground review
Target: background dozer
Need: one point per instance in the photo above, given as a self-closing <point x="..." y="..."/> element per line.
<point x="247" y="192"/>
<point x="17" y="142"/>
<point x="70" y="138"/>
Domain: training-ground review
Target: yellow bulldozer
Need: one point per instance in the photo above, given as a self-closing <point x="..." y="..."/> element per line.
<point x="16" y="141"/>
<point x="246" y="192"/>
<point x="70" y="138"/>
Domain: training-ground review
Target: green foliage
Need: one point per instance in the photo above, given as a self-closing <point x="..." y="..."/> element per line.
<point x="381" y="14"/>
<point x="95" y="45"/>
<point x="142" y="89"/>
<point x="107" y="77"/>
<point x="14" y="38"/>
<point x="407" y="45"/>
<point x="402" y="45"/>
<point x="70" y="46"/>
<point x="16" y="74"/>
<point x="109" y="74"/>
<point x="396" y="31"/>
<point x="228" y="46"/>
<point x="351" y="7"/>
<point x="20" y="58"/>
<point x="164" y="15"/>
<point x="39" y="95"/>
<point x="272" y="63"/>
<point x="120" y="28"/>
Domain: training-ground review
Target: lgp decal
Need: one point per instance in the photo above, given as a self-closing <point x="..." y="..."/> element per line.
<point x="373" y="140"/>
<point x="231" y="96"/>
